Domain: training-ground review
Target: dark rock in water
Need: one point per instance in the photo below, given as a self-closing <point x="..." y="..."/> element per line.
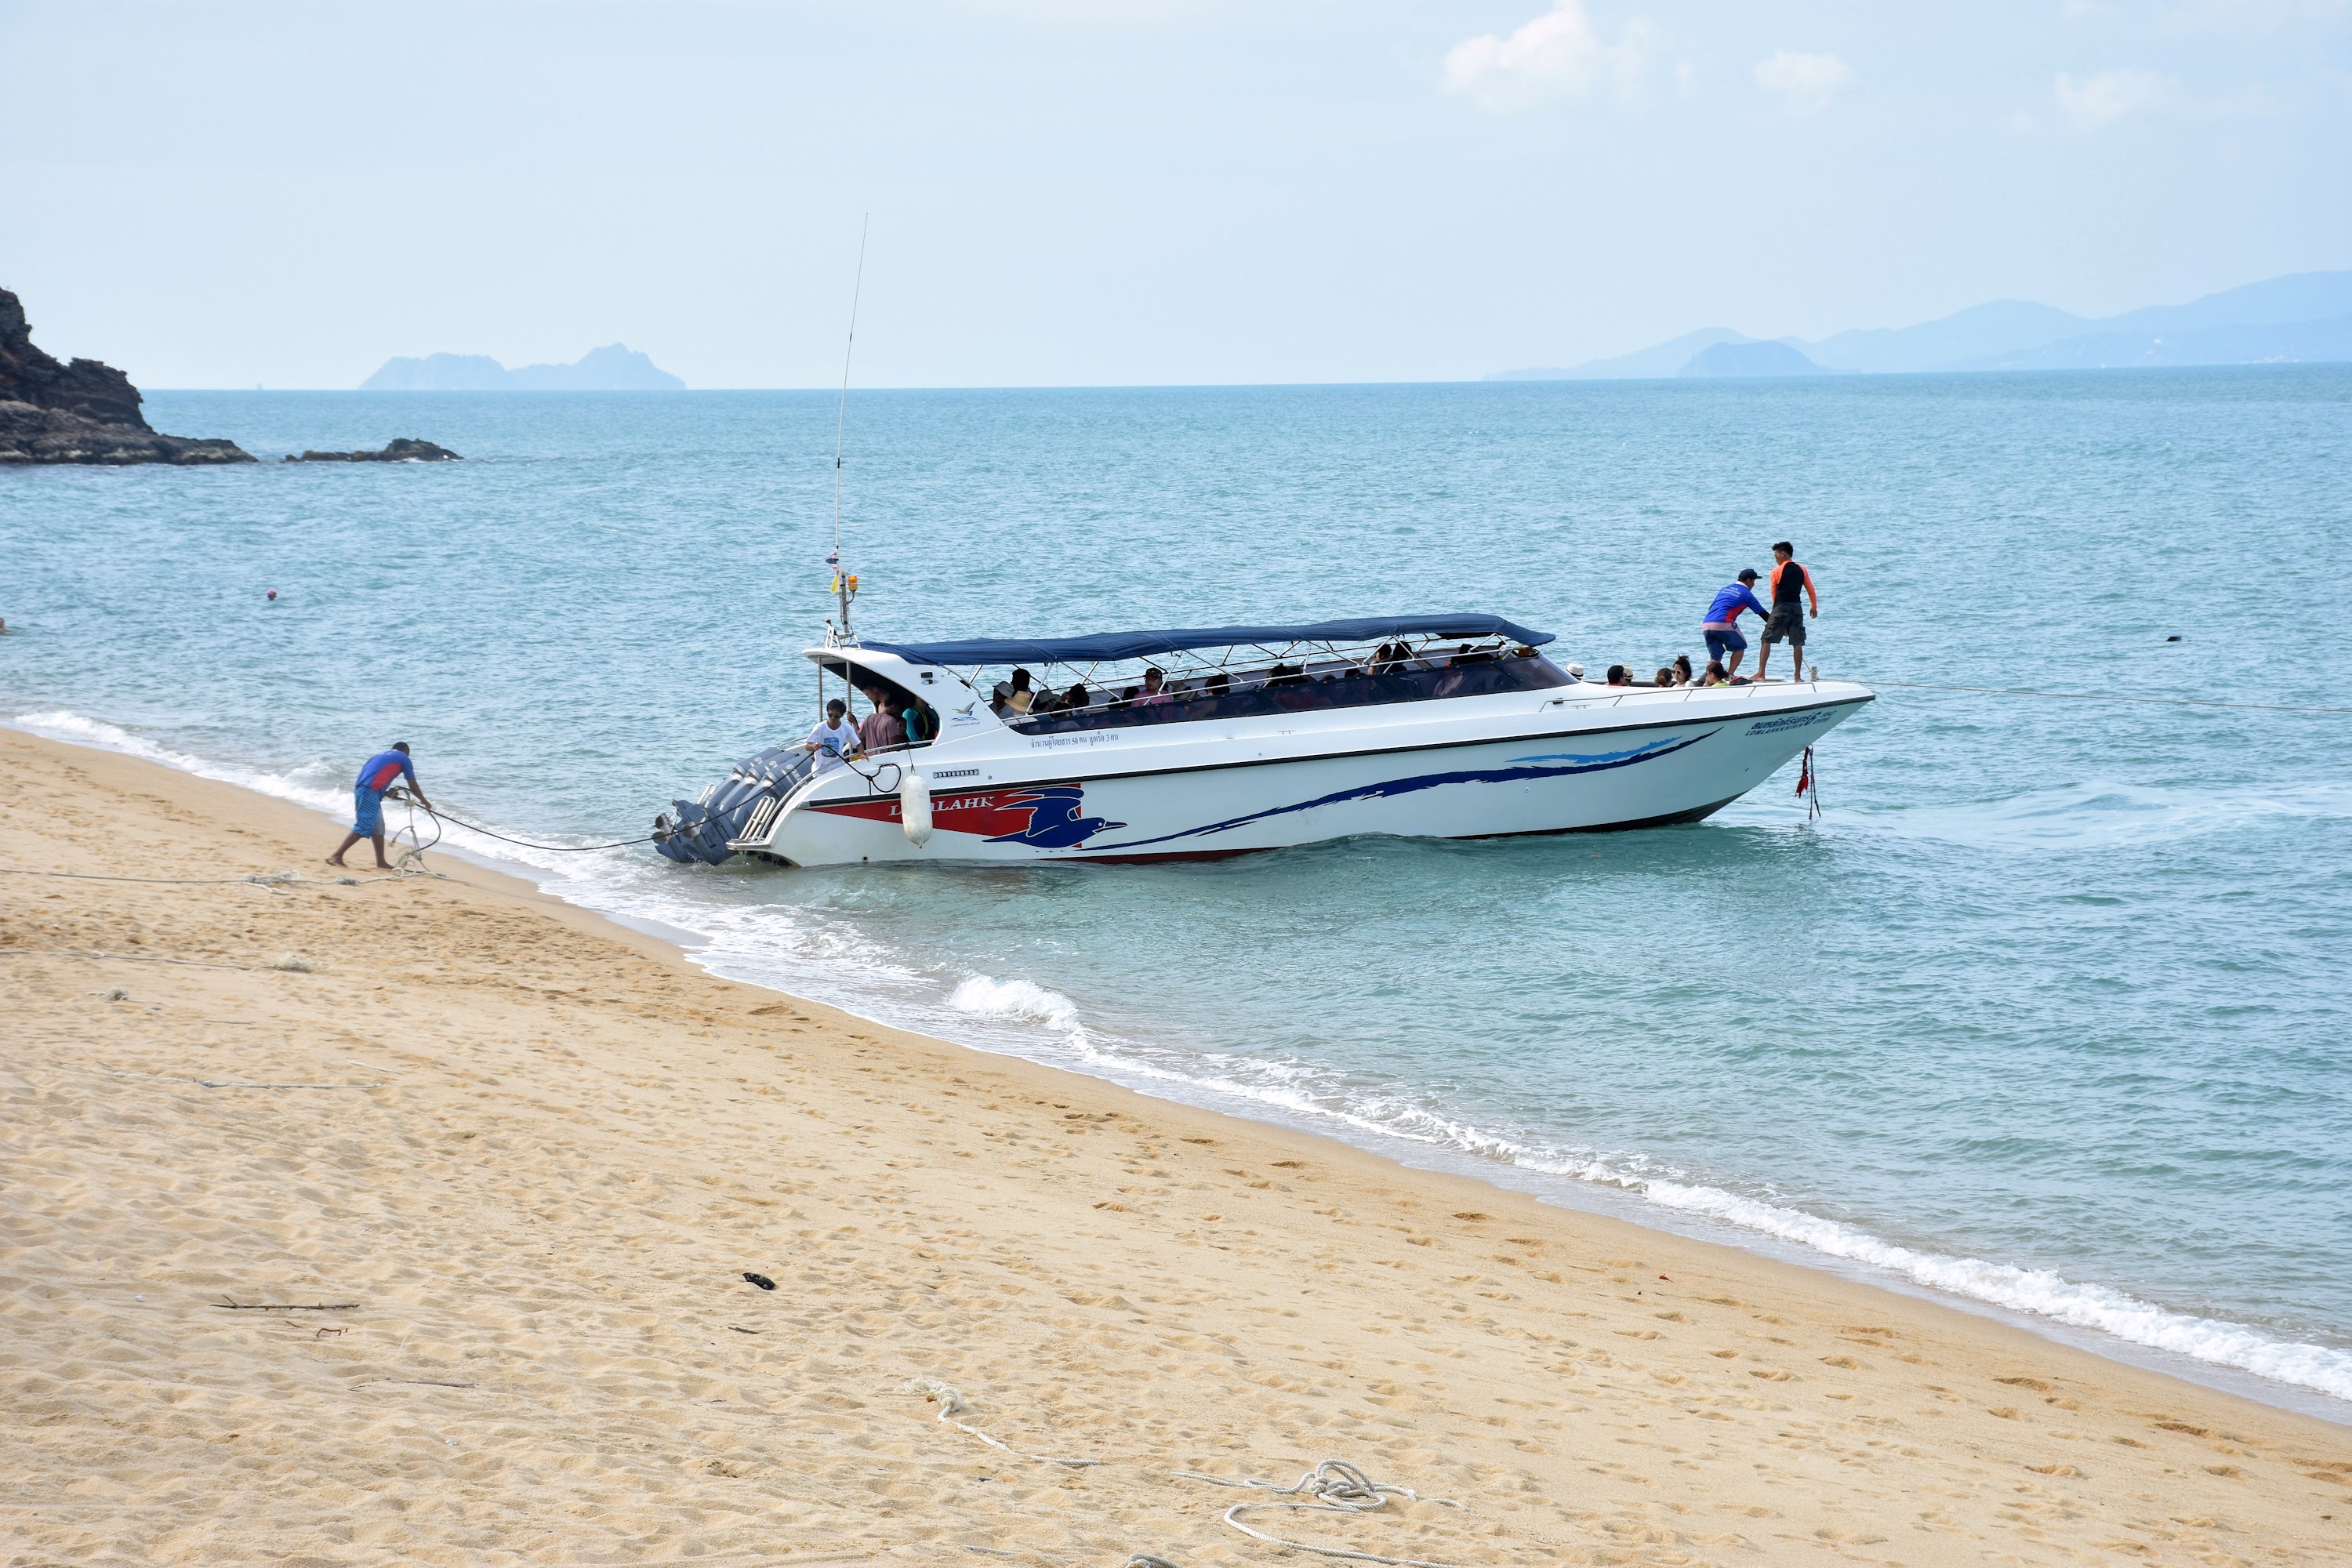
<point x="84" y="412"/>
<point x="403" y="450"/>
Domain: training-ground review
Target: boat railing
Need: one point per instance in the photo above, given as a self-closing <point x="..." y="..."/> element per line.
<point x="1295" y="688"/>
<point x="1587" y="692"/>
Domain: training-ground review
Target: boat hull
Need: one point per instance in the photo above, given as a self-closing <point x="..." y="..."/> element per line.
<point x="1156" y="797"/>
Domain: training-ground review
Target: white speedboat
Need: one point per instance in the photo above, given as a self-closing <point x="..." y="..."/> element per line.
<point x="1254" y="737"/>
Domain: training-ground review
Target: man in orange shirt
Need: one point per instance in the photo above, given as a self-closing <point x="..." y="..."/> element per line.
<point x="1792" y="586"/>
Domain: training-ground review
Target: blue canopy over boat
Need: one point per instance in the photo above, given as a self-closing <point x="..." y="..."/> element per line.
<point x="1106" y="646"/>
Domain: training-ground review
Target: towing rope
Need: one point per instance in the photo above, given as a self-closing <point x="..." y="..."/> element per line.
<point x="2110" y="697"/>
<point x="439" y="817"/>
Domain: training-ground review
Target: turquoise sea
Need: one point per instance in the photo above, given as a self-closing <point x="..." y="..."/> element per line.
<point x="2049" y="1013"/>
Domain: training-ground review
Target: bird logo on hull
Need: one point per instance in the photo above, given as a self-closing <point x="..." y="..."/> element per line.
<point x="1052" y="819"/>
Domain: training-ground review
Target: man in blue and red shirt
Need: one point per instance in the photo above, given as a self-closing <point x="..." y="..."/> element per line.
<point x="1721" y="628"/>
<point x="377" y="775"/>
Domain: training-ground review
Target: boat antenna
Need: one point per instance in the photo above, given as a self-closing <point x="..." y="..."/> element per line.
<point x="843" y="581"/>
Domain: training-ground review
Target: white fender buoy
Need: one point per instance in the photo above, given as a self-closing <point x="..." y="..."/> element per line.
<point x="915" y="808"/>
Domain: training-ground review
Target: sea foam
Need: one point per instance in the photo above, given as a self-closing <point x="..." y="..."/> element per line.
<point x="984" y="997"/>
<point x="1309" y="1092"/>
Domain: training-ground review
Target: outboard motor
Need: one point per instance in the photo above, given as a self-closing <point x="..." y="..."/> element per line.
<point x="699" y="829"/>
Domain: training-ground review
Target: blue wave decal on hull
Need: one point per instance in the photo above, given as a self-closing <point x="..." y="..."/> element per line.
<point x="1519" y="768"/>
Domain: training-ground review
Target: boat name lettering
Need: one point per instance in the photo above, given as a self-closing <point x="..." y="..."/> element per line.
<point x="1794" y="722"/>
<point x="1092" y="738"/>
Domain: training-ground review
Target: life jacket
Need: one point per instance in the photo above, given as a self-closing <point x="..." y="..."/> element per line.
<point x="1788" y="583"/>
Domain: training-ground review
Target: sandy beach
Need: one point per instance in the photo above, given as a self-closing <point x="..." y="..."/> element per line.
<point x="408" y="1220"/>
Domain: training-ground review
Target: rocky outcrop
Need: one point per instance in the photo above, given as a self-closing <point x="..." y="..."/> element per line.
<point x="84" y="412"/>
<point x="403" y="450"/>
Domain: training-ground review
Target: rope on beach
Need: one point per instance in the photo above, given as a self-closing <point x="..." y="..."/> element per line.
<point x="1337" y="1487"/>
<point x="269" y="881"/>
<point x="126" y="957"/>
<point x="952" y="1404"/>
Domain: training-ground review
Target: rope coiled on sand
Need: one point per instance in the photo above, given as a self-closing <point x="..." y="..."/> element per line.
<point x="1337" y="1487"/>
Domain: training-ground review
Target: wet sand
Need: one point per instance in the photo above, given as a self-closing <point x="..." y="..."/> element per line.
<point x="498" y="1168"/>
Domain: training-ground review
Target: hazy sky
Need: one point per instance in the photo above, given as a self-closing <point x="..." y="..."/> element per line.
<point x="214" y="194"/>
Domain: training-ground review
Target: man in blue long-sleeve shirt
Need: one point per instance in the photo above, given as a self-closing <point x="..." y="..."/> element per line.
<point x="1722" y="627"/>
<point x="377" y="775"/>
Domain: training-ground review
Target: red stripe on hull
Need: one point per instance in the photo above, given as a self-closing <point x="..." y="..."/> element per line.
<point x="986" y="813"/>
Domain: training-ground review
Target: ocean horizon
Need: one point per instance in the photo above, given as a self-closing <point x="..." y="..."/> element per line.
<point x="2046" y="1013"/>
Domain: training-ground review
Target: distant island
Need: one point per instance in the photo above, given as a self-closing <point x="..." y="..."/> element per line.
<point x="84" y="412"/>
<point x="1729" y="358"/>
<point x="616" y="367"/>
<point x="2302" y="319"/>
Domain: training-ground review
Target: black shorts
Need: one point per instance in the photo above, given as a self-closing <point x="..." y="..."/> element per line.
<point x="1786" y="625"/>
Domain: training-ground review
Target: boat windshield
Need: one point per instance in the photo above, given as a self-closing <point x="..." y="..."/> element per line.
<point x="1186" y="690"/>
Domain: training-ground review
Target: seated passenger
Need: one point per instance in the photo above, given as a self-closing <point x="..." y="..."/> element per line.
<point x="1074" y="701"/>
<point x="880" y="730"/>
<point x="1714" y="675"/>
<point x="1682" y="669"/>
<point x="1155" y="692"/>
<point x="1001" y="701"/>
<point x="1620" y="676"/>
<point x="1021" y="698"/>
<point x="1219" y="684"/>
<point x="921" y="721"/>
<point x="1665" y="675"/>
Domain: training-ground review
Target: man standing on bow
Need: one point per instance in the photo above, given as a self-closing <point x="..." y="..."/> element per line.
<point x="1721" y="628"/>
<point x="1792" y="585"/>
<point x="377" y="775"/>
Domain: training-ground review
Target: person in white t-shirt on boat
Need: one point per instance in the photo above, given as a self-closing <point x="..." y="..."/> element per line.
<point x="836" y="740"/>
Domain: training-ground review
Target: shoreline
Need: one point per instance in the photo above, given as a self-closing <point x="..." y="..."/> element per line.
<point x="1581" y="1193"/>
<point x="536" y="1152"/>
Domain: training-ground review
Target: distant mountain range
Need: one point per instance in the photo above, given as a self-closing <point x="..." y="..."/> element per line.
<point x="2303" y="318"/>
<point x="616" y="367"/>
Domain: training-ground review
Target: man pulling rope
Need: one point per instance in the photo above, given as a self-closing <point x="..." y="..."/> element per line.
<point x="377" y="775"/>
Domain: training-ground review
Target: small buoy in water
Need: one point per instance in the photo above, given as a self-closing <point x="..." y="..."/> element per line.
<point x="273" y="595"/>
